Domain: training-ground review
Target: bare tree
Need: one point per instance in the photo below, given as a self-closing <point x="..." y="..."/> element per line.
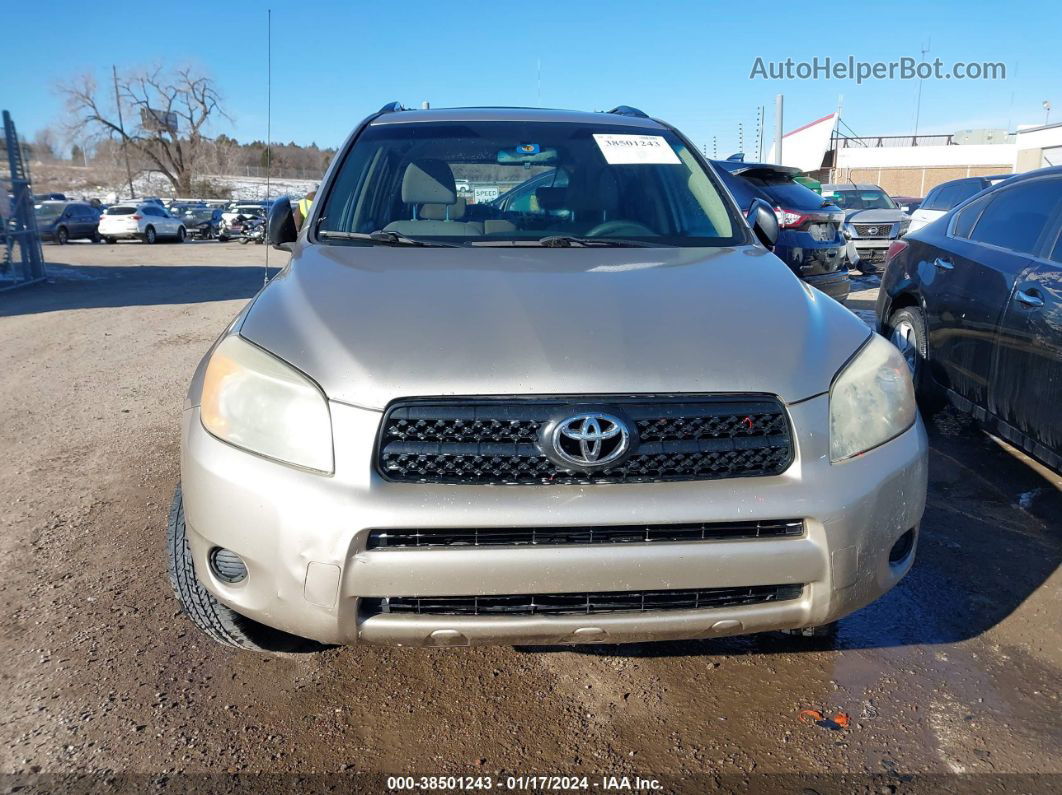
<point x="45" y="145"/>
<point x="150" y="101"/>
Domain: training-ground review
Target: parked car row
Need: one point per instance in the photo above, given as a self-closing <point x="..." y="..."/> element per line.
<point x="149" y="219"/>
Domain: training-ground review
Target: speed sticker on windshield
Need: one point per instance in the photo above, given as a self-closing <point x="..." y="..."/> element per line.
<point x="623" y="150"/>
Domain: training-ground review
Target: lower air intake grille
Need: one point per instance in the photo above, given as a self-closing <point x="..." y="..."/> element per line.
<point x="559" y="536"/>
<point x="559" y="604"/>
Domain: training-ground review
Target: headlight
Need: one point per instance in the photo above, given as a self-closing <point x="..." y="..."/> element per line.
<point x="871" y="401"/>
<point x="255" y="401"/>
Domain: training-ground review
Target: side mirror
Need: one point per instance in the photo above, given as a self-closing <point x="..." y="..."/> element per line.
<point x="764" y="222"/>
<point x="280" y="229"/>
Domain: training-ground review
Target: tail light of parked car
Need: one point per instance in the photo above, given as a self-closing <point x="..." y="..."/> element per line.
<point x="136" y="216"/>
<point x="788" y="219"/>
<point x="895" y="247"/>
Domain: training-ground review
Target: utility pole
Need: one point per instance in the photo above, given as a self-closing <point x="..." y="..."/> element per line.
<point x="918" y="105"/>
<point x="1047" y="112"/>
<point x="760" y="120"/>
<point x="835" y="139"/>
<point x="778" y="103"/>
<point x="715" y="148"/>
<point x="741" y="138"/>
<point x="121" y="126"/>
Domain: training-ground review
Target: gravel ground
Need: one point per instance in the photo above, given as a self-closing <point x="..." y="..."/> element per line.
<point x="951" y="680"/>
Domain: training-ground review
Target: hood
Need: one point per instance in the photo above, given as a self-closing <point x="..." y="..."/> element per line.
<point x="372" y="324"/>
<point x="874" y="216"/>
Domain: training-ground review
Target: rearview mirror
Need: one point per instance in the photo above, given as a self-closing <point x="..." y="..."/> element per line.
<point x="280" y="229"/>
<point x="764" y="222"/>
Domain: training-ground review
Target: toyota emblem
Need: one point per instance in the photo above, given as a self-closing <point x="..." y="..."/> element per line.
<point x="591" y="440"/>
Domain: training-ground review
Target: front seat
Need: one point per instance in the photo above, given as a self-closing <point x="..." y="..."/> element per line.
<point x="428" y="188"/>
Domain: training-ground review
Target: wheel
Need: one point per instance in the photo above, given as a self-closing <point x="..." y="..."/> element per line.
<point x="96" y="236"/>
<point x="220" y="623"/>
<point x="907" y="331"/>
<point x="824" y="632"/>
<point x="245" y="240"/>
<point x="149" y="236"/>
<point x="181" y="234"/>
<point x="110" y="241"/>
<point x="62" y="236"/>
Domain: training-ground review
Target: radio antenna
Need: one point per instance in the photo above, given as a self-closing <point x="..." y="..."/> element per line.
<point x="269" y="133"/>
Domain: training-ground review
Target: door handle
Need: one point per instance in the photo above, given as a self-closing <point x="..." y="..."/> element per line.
<point x="943" y="264"/>
<point x="1029" y="298"/>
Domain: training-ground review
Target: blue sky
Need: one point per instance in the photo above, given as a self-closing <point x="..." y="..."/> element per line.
<point x="686" y="62"/>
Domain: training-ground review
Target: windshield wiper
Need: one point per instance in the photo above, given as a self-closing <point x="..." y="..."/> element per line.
<point x="386" y="238"/>
<point x="564" y="241"/>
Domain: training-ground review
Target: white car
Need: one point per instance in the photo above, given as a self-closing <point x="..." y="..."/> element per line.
<point x="947" y="195"/>
<point x="147" y="221"/>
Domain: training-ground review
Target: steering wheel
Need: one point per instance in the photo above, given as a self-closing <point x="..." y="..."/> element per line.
<point x="620" y="228"/>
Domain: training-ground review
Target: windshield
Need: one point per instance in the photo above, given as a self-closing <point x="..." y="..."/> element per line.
<point x="854" y="199"/>
<point x="505" y="183"/>
<point x="47" y="212"/>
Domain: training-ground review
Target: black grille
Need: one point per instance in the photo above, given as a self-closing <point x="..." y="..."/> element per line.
<point x="558" y="604"/>
<point x="492" y="441"/>
<point x="558" y="536"/>
<point x="874" y="230"/>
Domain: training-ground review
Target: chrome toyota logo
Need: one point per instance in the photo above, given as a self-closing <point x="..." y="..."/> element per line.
<point x="590" y="441"/>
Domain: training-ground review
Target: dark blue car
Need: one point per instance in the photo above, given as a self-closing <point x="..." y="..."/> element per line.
<point x="974" y="303"/>
<point x="810" y="236"/>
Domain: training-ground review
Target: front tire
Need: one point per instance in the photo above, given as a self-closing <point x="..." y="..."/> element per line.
<point x="219" y="622"/>
<point x="62" y="236"/>
<point x="907" y="331"/>
<point x="180" y="234"/>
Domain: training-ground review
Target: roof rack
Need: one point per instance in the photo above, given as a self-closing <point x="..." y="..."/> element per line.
<point x="627" y="110"/>
<point x="392" y="107"/>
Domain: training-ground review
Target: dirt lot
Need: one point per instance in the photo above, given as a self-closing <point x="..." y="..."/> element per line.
<point x="951" y="681"/>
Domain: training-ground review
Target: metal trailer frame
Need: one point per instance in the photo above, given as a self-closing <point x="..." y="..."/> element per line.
<point x="20" y="229"/>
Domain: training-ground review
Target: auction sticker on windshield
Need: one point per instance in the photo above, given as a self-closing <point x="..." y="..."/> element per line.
<point x="624" y="150"/>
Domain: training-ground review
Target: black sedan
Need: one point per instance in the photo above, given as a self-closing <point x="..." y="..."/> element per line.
<point x="974" y="300"/>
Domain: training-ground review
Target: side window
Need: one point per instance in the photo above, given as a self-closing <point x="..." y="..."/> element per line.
<point x="964" y="190"/>
<point x="1016" y="217"/>
<point x="967" y="217"/>
<point x="944" y="198"/>
<point x="930" y="202"/>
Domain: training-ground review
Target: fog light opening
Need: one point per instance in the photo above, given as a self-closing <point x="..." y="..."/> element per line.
<point x="902" y="548"/>
<point x="227" y="566"/>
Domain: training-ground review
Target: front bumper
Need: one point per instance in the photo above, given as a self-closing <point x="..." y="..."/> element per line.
<point x="837" y="285"/>
<point x="303" y="538"/>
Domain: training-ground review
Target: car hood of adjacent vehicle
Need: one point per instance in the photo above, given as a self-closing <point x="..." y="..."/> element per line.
<point x="372" y="324"/>
<point x="882" y="216"/>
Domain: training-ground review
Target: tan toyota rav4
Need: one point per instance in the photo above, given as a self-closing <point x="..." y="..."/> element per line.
<point x="577" y="401"/>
